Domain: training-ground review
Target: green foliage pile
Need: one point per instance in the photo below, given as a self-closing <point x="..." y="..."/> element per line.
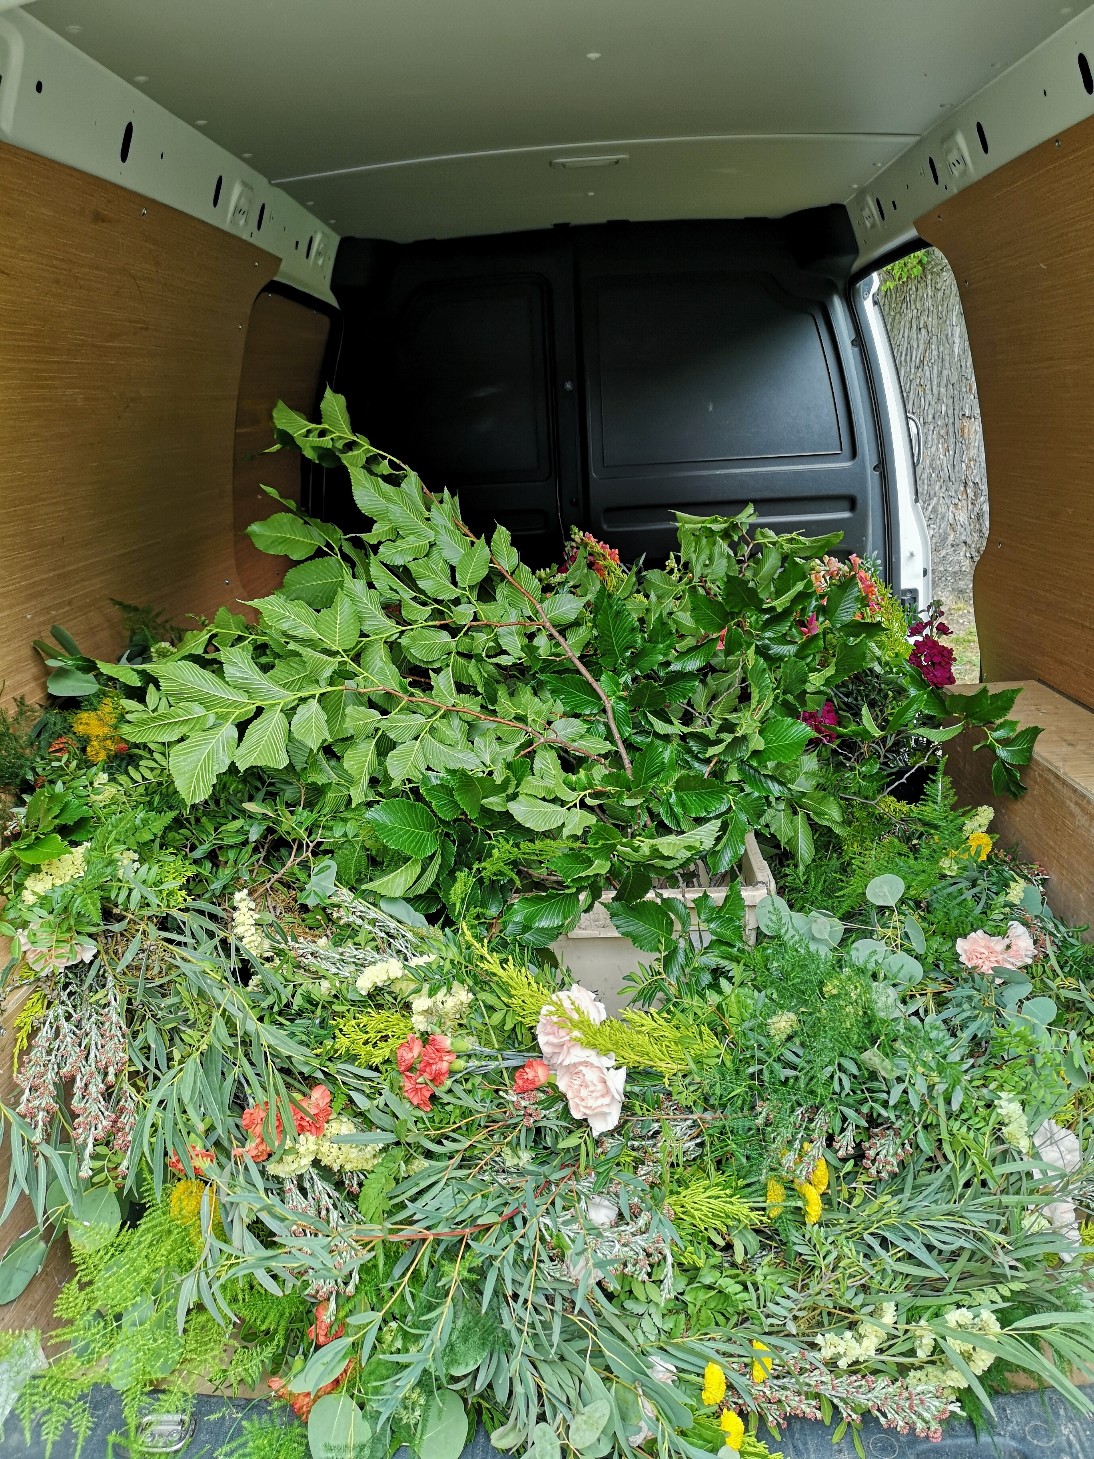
<point x="484" y="745"/>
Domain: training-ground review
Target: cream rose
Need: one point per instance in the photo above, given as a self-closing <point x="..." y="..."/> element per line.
<point x="594" y="1090"/>
<point x="557" y="1042"/>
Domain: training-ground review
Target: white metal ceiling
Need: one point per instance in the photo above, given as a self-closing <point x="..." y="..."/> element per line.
<point x="413" y="118"/>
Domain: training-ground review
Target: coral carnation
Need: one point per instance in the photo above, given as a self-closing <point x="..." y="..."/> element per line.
<point x="408" y="1054"/>
<point x="418" y="1094"/>
<point x="530" y="1076"/>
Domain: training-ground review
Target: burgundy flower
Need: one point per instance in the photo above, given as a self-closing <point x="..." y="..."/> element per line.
<point x="821" y="721"/>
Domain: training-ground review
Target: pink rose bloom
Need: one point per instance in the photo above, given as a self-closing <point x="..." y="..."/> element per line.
<point x="982" y="952"/>
<point x="1020" y="950"/>
<point x="556" y="1042"/>
<point x="594" y="1090"/>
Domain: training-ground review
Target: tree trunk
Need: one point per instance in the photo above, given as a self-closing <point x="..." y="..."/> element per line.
<point x="927" y="328"/>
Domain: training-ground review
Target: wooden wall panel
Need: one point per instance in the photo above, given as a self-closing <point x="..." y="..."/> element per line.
<point x="1053" y="823"/>
<point x="1021" y="243"/>
<point x="282" y="361"/>
<point x="122" y="328"/>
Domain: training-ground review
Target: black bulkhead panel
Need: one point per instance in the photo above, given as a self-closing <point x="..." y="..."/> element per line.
<point x="608" y="376"/>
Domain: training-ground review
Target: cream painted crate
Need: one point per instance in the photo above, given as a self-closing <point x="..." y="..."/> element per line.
<point x="600" y="958"/>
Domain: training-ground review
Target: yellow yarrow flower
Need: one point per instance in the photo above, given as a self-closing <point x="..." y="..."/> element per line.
<point x="714" y="1384"/>
<point x="184" y="1203"/>
<point x="732" y="1425"/>
<point x="811" y="1202"/>
<point x="776" y="1195"/>
<point x="818" y="1176"/>
<point x="761" y="1366"/>
<point x="979" y="846"/>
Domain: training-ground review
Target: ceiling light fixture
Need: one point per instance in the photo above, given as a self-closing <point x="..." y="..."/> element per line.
<point x="575" y="162"/>
<point x="593" y="55"/>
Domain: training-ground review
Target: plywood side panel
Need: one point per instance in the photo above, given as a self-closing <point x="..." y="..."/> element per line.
<point x="122" y="335"/>
<point x="283" y="358"/>
<point x="1021" y="243"/>
<point x="1053" y="823"/>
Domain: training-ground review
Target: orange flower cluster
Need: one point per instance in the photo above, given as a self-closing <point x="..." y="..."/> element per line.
<point x="434" y="1061"/>
<point x="310" y="1117"/>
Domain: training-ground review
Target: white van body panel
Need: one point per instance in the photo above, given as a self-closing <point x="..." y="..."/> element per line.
<point x="59" y="103"/>
<point x="911" y="544"/>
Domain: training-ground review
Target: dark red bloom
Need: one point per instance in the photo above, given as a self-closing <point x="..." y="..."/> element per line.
<point x="934" y="661"/>
<point x="822" y="721"/>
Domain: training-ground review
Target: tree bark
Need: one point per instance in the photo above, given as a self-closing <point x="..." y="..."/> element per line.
<point x="927" y="328"/>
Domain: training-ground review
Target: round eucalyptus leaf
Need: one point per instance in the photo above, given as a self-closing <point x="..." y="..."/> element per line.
<point x="588" y="1423"/>
<point x="825" y="930"/>
<point x="20" y="1264"/>
<point x="867" y="949"/>
<point x="903" y="968"/>
<point x="772" y="915"/>
<point x="885" y="891"/>
<point x="444" y="1428"/>
<point x="337" y="1429"/>
<point x="545" y="1443"/>
<point x="1012" y="995"/>
<point x="95" y="1218"/>
<point x="1039" y="1010"/>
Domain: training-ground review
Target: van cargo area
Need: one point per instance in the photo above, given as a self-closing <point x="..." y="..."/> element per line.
<point x="514" y="940"/>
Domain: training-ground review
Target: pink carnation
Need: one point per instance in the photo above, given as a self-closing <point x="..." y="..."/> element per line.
<point x="594" y="1090"/>
<point x="983" y="953"/>
<point x="556" y="1041"/>
<point x="1020" y="949"/>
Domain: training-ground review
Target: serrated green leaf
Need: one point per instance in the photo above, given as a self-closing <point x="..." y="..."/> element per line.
<point x="616" y="630"/>
<point x="406" y="826"/>
<point x="334" y="413"/>
<point x="265" y="743"/>
<point x="316" y="582"/>
<point x="166" y="723"/>
<point x="537" y="815"/>
<point x="502" y="549"/>
<point x="407" y="761"/>
<point x="540" y="917"/>
<point x="647" y="924"/>
<point x="396" y="883"/>
<point x="339" y="626"/>
<point x="196" y="761"/>
<point x="309" y="725"/>
<point x="285" y="535"/>
<point x="243" y="674"/>
<point x="40" y="849"/>
<point x="784" y="739"/>
<point x="474" y="564"/>
<point x="428" y="646"/>
<point x="188" y="683"/>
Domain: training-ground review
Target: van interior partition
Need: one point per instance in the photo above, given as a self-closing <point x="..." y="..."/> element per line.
<point x="605" y="377"/>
